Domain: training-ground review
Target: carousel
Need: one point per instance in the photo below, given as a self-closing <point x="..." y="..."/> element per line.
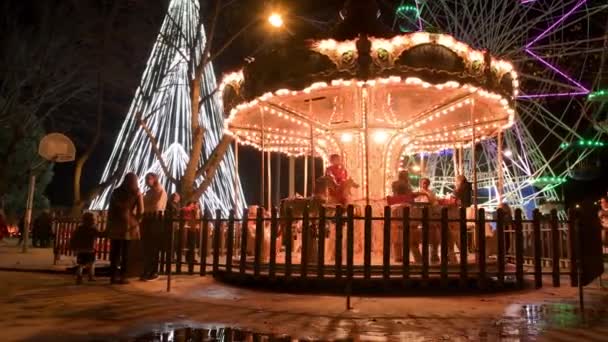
<point x="373" y="98"/>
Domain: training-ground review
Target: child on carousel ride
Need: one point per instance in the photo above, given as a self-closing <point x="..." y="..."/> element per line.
<point x="338" y="173"/>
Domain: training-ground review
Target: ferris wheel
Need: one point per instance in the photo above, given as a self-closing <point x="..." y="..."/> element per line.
<point x="559" y="50"/>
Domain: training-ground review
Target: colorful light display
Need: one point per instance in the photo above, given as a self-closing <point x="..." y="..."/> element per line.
<point x="163" y="101"/>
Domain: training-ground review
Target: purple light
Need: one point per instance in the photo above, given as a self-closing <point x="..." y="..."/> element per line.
<point x="566" y="15"/>
<point x="550" y="66"/>
<point x="582" y="89"/>
<point x="420" y="28"/>
<point x="552" y="95"/>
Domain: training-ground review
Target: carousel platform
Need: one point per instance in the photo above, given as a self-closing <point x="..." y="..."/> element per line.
<point x="360" y="278"/>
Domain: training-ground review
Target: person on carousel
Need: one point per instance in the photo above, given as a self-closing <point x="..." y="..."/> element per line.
<point x="463" y="192"/>
<point x="338" y="173"/>
<point x="402" y="190"/>
<point x="426" y="192"/>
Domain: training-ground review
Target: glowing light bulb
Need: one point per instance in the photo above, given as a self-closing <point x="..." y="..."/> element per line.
<point x="380" y="137"/>
<point x="508" y="153"/>
<point x="346" y="137"/>
<point x="275" y="20"/>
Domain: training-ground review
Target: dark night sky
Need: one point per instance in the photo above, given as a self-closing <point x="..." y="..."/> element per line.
<point x="137" y="26"/>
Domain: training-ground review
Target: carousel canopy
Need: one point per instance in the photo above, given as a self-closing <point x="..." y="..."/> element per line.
<point x="369" y="97"/>
<point x="428" y="91"/>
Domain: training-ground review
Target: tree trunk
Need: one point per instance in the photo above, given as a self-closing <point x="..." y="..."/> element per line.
<point x="189" y="177"/>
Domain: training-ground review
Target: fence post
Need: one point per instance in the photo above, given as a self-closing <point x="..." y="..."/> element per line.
<point x="204" y="243"/>
<point x="274" y="225"/>
<point x="425" y="246"/>
<point x="538" y="275"/>
<point x="444" y="247"/>
<point x="572" y="247"/>
<point x="321" y="243"/>
<point x="481" y="249"/>
<point x="259" y="235"/>
<point x="367" y="247"/>
<point x="56" y="254"/>
<point x="305" y="243"/>
<point x="244" y="233"/>
<point x="180" y="244"/>
<point x="555" y="250"/>
<point x="519" y="249"/>
<point x="169" y="258"/>
<point x="500" y="232"/>
<point x="405" y="221"/>
<point x="464" y="247"/>
<point x="288" y="242"/>
<point x="216" y="241"/>
<point x="338" y="245"/>
<point x="350" y="241"/>
<point x="386" y="248"/>
<point x="191" y="245"/>
<point x="230" y="241"/>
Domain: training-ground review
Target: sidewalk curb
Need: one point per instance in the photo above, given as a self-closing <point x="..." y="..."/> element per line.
<point x="34" y="270"/>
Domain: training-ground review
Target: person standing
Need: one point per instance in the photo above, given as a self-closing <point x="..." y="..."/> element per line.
<point x="463" y="192"/>
<point x="602" y="214"/>
<point x="124" y="214"/>
<point x="155" y="201"/>
<point x="42" y="230"/>
<point x="3" y="227"/>
<point x="83" y="243"/>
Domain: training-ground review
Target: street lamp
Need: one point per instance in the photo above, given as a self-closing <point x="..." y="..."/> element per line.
<point x="275" y="19"/>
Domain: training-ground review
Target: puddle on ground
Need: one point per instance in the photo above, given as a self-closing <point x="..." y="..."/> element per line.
<point x="519" y="323"/>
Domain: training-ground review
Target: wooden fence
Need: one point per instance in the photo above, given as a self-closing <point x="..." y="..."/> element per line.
<point x="409" y="244"/>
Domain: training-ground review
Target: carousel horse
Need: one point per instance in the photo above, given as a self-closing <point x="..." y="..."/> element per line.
<point x="415" y="233"/>
<point x="327" y="194"/>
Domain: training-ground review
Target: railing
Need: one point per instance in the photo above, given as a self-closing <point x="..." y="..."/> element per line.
<point x="412" y="244"/>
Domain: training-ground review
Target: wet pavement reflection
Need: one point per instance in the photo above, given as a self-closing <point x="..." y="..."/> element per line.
<point x="519" y="323"/>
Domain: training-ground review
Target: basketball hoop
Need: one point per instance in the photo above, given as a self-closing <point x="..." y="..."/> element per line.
<point x="57" y="147"/>
<point x="54" y="147"/>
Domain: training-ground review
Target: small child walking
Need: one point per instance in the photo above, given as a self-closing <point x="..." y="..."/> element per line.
<point x="83" y="243"/>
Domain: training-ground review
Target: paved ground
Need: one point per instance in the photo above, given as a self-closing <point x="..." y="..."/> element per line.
<point x="49" y="307"/>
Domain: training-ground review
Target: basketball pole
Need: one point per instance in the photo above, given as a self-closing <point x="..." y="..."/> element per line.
<point x="28" y="211"/>
<point x="29" y="205"/>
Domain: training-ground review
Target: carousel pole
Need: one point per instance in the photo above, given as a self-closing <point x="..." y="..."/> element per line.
<point x="455" y="160"/>
<point x="277" y="176"/>
<point x="306" y="175"/>
<point x="236" y="176"/>
<point x="474" y="159"/>
<point x="269" y="172"/>
<point x="365" y="144"/>
<point x="292" y="176"/>
<point x="461" y="160"/>
<point x="263" y="174"/>
<point x="500" y="189"/>
<point x="312" y="148"/>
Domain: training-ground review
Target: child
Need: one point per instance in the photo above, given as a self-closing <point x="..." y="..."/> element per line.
<point x="339" y="174"/>
<point x="83" y="243"/>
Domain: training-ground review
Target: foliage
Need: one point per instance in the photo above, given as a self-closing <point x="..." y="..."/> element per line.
<point x="16" y="175"/>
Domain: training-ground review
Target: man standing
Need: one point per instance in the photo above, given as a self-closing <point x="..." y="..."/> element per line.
<point x="155" y="200"/>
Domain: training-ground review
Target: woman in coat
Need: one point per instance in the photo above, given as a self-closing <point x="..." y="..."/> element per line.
<point x="124" y="214"/>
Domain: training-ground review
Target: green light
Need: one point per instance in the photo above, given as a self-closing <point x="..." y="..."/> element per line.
<point x="584" y="144"/>
<point x="548" y="180"/>
<point x="405" y="11"/>
<point x="599" y="95"/>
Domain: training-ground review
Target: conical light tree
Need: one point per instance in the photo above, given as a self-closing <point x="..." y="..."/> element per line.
<point x="175" y="124"/>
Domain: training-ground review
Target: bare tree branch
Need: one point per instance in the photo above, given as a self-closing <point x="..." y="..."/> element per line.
<point x="210" y="168"/>
<point x="156" y="150"/>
